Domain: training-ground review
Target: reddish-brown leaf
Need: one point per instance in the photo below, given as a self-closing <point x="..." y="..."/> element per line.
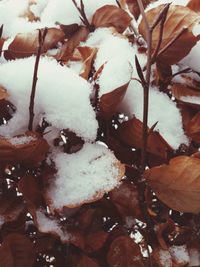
<point x="26" y="44"/>
<point x="193" y="128"/>
<point x="95" y="241"/>
<point x="87" y="262"/>
<point x="3" y="93"/>
<point x="130" y="133"/>
<point x="26" y="152"/>
<point x="109" y="102"/>
<point x="68" y="48"/>
<point x="111" y="16"/>
<point x="28" y="13"/>
<point x="178" y="17"/>
<point x="177" y="184"/>
<point x="126" y="199"/>
<point x="180" y="92"/>
<point x="194" y="5"/>
<point x="17" y="251"/>
<point x="123" y="252"/>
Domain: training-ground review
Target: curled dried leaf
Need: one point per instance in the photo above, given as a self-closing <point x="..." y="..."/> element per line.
<point x="130" y="133"/>
<point x="28" y="13"/>
<point x="26" y="44"/>
<point x="111" y="16"/>
<point x="86" y="261"/>
<point x="178" y="18"/>
<point x="109" y="102"/>
<point x="28" y="148"/>
<point x="177" y="184"/>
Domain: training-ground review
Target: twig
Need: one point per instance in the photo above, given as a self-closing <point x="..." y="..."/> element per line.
<point x="83" y="16"/>
<point x="41" y="38"/>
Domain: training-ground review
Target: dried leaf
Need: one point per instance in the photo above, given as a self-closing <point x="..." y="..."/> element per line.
<point x="26" y="44"/>
<point x="193" y="128"/>
<point x="86" y="261"/>
<point x="109" y="102"/>
<point x="28" y="13"/>
<point x="68" y="48"/>
<point x="70" y="29"/>
<point x="130" y="133"/>
<point x="177" y="184"/>
<point x="3" y="93"/>
<point x="1" y="44"/>
<point x="95" y="241"/>
<point x="126" y="199"/>
<point x="17" y="251"/>
<point x="194" y="5"/>
<point x="124" y="252"/>
<point x="111" y="16"/>
<point x="85" y="54"/>
<point x="180" y="92"/>
<point x="178" y="18"/>
<point x="11" y="206"/>
<point x="28" y="148"/>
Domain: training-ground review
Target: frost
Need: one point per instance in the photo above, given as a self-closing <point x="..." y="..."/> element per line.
<point x="21" y="140"/>
<point x="165" y="258"/>
<point x="180" y="254"/>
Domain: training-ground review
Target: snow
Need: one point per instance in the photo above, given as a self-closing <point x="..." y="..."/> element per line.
<point x="62" y="97"/>
<point x="21" y="140"/>
<point x="47" y="225"/>
<point x="196" y="29"/>
<point x="161" y="109"/>
<point x="191" y="99"/>
<point x="115" y="73"/>
<point x="163" y="2"/>
<point x="180" y="254"/>
<point x="191" y="60"/>
<point x="165" y="258"/>
<point x="2" y="221"/>
<point x="194" y="257"/>
<point x="82" y="176"/>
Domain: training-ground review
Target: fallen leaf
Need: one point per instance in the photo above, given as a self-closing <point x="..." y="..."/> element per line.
<point x="28" y="13"/>
<point x="178" y="18"/>
<point x="130" y="132"/>
<point x="111" y="16"/>
<point x="177" y="184"/>
<point x="26" y="44"/>
<point x="86" y="261"/>
<point x="28" y="148"/>
<point x="95" y="241"/>
<point x="109" y="102"/>
<point x="123" y="252"/>
<point x="17" y="251"/>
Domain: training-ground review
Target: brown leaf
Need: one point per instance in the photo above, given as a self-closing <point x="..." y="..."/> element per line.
<point x="87" y="262"/>
<point x="194" y="5"/>
<point x="3" y="93"/>
<point x="126" y="199"/>
<point x="1" y="44"/>
<point x="178" y="17"/>
<point x="11" y="206"/>
<point x="28" y="148"/>
<point x="109" y="102"/>
<point x="177" y="184"/>
<point x="32" y="194"/>
<point x="193" y="128"/>
<point x="26" y="44"/>
<point x="17" y="251"/>
<point x="124" y="252"/>
<point x="95" y="241"/>
<point x="111" y="16"/>
<point x="28" y="13"/>
<point x="180" y="91"/>
<point x="85" y="54"/>
<point x="68" y="48"/>
<point x="69" y="30"/>
<point x="130" y="133"/>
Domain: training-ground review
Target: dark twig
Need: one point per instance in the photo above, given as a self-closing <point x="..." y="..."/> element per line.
<point x="41" y="38"/>
<point x="83" y="16"/>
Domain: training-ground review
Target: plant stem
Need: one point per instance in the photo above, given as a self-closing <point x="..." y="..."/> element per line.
<point x="41" y="38"/>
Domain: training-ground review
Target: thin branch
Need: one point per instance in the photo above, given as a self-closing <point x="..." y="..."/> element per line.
<point x="41" y="38"/>
<point x="83" y="16"/>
